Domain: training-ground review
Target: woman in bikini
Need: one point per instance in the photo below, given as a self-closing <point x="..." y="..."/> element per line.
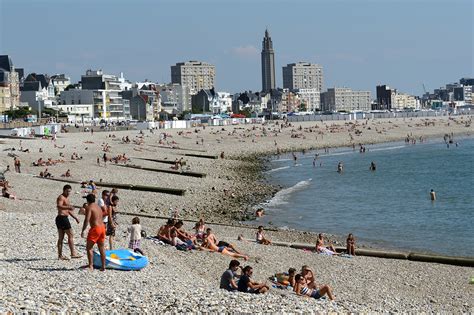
<point x="301" y="288"/>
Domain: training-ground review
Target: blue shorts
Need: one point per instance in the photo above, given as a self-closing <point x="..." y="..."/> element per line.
<point x="221" y="249"/>
<point x="315" y="294"/>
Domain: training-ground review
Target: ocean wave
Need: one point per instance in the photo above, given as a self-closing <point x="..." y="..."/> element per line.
<point x="280" y="160"/>
<point x="281" y="196"/>
<point x="389" y="148"/>
<point x="277" y="169"/>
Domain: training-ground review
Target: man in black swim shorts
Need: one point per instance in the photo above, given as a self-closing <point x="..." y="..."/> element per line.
<point x="62" y="223"/>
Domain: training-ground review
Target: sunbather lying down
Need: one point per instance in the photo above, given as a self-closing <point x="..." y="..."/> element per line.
<point x="210" y="246"/>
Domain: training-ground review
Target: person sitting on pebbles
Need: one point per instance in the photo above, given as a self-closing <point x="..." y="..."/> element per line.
<point x="247" y="285"/>
<point x="67" y="174"/>
<point x="164" y="233"/>
<point x="261" y="239"/>
<point x="301" y="288"/>
<point x="259" y="213"/>
<point x="286" y="279"/>
<point x="322" y="249"/>
<point x="228" y="278"/>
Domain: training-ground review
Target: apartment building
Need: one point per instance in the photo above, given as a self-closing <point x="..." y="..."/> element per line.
<point x="345" y="99"/>
<point x="303" y="75"/>
<point x="196" y="75"/>
<point x="310" y="99"/>
<point x="107" y="100"/>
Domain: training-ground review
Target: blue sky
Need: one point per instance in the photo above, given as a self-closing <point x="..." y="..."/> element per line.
<point x="359" y="43"/>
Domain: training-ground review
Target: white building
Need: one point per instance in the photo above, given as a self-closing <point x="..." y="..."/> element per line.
<point x="77" y="113"/>
<point x="345" y="99"/>
<point x="38" y="91"/>
<point x="311" y="98"/>
<point x="225" y="102"/>
<point x="108" y="103"/>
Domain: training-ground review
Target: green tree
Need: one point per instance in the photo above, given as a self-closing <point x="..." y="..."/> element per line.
<point x="18" y="113"/>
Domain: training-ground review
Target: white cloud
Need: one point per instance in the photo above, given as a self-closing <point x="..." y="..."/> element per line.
<point x="247" y="51"/>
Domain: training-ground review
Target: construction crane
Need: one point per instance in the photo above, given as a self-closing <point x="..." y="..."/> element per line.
<point x="424" y="88"/>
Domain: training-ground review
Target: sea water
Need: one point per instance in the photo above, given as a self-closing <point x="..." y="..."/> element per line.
<point x="388" y="207"/>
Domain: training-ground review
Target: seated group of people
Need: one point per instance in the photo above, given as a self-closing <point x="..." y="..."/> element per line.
<point x="45" y="174"/>
<point x="330" y="250"/>
<point x="173" y="233"/>
<point x="49" y="162"/>
<point x="75" y="156"/>
<point x="303" y="283"/>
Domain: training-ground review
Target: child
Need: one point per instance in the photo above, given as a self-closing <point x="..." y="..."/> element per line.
<point x="261" y="238"/>
<point x="135" y="236"/>
<point x="200" y="229"/>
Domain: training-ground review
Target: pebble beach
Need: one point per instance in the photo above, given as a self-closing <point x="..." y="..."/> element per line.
<point x="33" y="279"/>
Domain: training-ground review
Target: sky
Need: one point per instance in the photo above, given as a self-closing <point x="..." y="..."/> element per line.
<point x="360" y="44"/>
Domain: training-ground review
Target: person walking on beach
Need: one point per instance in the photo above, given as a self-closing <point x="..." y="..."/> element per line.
<point x="63" y="225"/>
<point x="432" y="195"/>
<point x="96" y="233"/>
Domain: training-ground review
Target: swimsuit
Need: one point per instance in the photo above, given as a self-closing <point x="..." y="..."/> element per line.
<point x="314" y="294"/>
<point x="96" y="234"/>
<point x="62" y="222"/>
<point x="220" y="249"/>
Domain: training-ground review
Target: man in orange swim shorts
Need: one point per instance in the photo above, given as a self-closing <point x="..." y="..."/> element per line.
<point x="96" y="233"/>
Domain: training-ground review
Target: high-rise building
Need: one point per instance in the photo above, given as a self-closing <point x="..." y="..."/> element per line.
<point x="303" y="75"/>
<point x="196" y="75"/>
<point x="268" y="64"/>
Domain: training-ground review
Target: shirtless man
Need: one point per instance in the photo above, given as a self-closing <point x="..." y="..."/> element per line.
<point x="212" y="238"/>
<point x="62" y="223"/>
<point x="97" y="231"/>
<point x="209" y="245"/>
<point x="164" y="233"/>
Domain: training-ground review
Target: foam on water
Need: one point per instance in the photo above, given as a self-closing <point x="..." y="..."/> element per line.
<point x="281" y="197"/>
<point x="276" y="169"/>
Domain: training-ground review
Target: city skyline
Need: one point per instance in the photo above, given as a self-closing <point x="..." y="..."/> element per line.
<point x="359" y="45"/>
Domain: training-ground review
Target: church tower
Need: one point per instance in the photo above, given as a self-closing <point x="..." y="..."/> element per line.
<point x="268" y="64"/>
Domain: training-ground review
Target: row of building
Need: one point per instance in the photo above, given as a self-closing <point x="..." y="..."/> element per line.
<point x="101" y="96"/>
